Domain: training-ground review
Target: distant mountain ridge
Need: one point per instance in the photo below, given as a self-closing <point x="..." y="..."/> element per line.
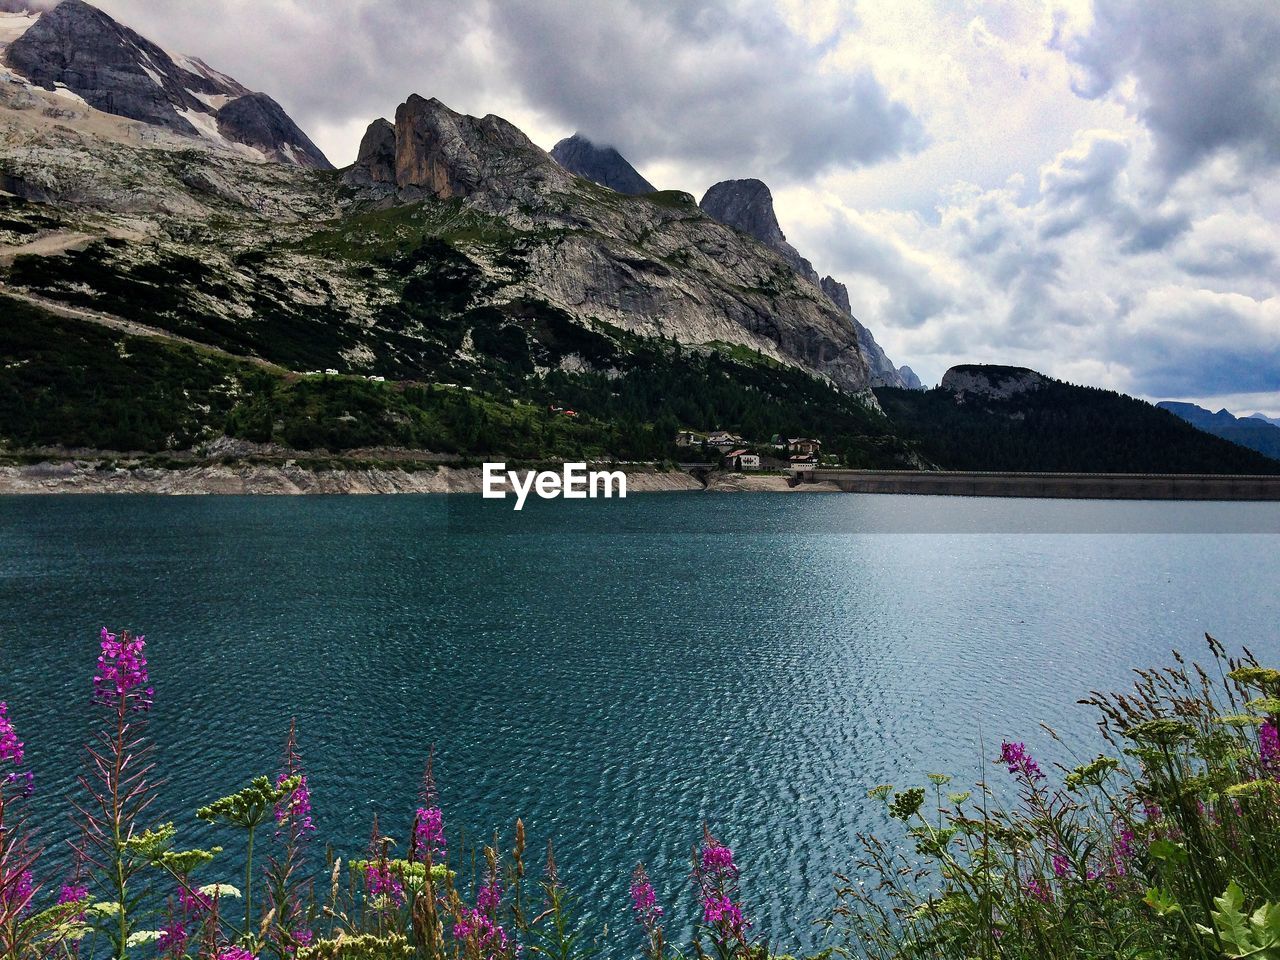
<point x="79" y="51"/>
<point x="1256" y="433"/>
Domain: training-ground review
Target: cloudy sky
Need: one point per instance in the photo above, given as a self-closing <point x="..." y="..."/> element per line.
<point x="1087" y="188"/>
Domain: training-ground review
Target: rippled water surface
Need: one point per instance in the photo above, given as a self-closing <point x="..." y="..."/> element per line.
<point x="617" y="673"/>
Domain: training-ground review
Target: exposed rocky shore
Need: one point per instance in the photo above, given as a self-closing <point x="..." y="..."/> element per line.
<point x="286" y="478"/>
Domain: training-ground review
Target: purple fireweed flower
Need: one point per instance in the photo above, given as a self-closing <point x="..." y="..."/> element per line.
<point x="16" y="896"/>
<point x="488" y="898"/>
<point x="10" y="745"/>
<point x="1040" y="891"/>
<point x="173" y="937"/>
<point x="428" y="833"/>
<point x="720" y="911"/>
<point x="488" y="936"/>
<point x="644" y="903"/>
<point x="295" y="810"/>
<point x="717" y="858"/>
<point x="1269" y="746"/>
<point x="193" y="901"/>
<point x="1061" y="865"/>
<point x="1122" y="852"/>
<point x="380" y="881"/>
<point x="72" y="893"/>
<point x="1019" y="762"/>
<point x="234" y="953"/>
<point x="122" y="672"/>
<point x="302" y="938"/>
<point x="643" y="900"/>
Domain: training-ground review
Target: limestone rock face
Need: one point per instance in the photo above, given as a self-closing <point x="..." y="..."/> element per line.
<point x="377" y="156"/>
<point x="883" y="372"/>
<point x="258" y="121"/>
<point x="599" y="164"/>
<point x="649" y="264"/>
<point x="909" y="378"/>
<point x="447" y="154"/>
<point x="838" y="293"/>
<point x="990" y="381"/>
<point x="748" y="206"/>
<point x="75" y="48"/>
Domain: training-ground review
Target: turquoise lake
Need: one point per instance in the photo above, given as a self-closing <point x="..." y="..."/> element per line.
<point x="616" y="673"/>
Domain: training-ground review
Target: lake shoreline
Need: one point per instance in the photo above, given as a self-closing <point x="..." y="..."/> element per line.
<point x="296" y="478"/>
<point x="303" y="477"/>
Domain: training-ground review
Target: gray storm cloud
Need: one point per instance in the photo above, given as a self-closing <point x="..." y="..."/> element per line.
<point x="724" y="86"/>
<point x="1207" y="73"/>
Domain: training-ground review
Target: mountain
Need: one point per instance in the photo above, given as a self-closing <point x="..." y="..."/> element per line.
<point x="909" y="378"/>
<point x="82" y="55"/>
<point x="600" y="164"/>
<point x="462" y="283"/>
<point x="1256" y="434"/>
<point x="747" y="205"/>
<point x="883" y="372"/>
<point x="652" y="264"/>
<point x="1274" y="421"/>
<point x="987" y="417"/>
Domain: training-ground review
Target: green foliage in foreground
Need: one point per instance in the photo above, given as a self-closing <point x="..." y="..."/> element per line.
<point x="1061" y="428"/>
<point x="1173" y="853"/>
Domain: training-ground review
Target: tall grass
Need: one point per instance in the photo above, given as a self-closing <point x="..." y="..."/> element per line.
<point x="1167" y="848"/>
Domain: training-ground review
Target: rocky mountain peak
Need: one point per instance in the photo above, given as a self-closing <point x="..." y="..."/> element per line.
<point x="991" y="381"/>
<point x="747" y="205"/>
<point x="909" y="378"/>
<point x="435" y="151"/>
<point x="376" y="160"/>
<point x="837" y="293"/>
<point x="600" y="164"/>
<point x="77" y="49"/>
<point x="259" y="122"/>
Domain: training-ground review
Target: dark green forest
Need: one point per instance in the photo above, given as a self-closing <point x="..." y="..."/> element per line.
<point x="1061" y="428"/>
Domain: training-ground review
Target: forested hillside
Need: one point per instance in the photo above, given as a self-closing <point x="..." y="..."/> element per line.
<point x="1059" y="427"/>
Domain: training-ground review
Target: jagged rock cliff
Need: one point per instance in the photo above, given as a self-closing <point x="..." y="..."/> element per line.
<point x="651" y="264"/>
<point x="600" y="164"/>
<point x="445" y="154"/>
<point x="747" y="205"/>
<point x="77" y="49"/>
<point x="909" y="378"/>
<point x="883" y="372"/>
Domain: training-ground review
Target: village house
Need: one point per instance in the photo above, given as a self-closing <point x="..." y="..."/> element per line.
<point x="739" y="460"/>
<point x="687" y="438"/>
<point x="804" y="445"/>
<point x="802" y="462"/>
<point x="723" y="440"/>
